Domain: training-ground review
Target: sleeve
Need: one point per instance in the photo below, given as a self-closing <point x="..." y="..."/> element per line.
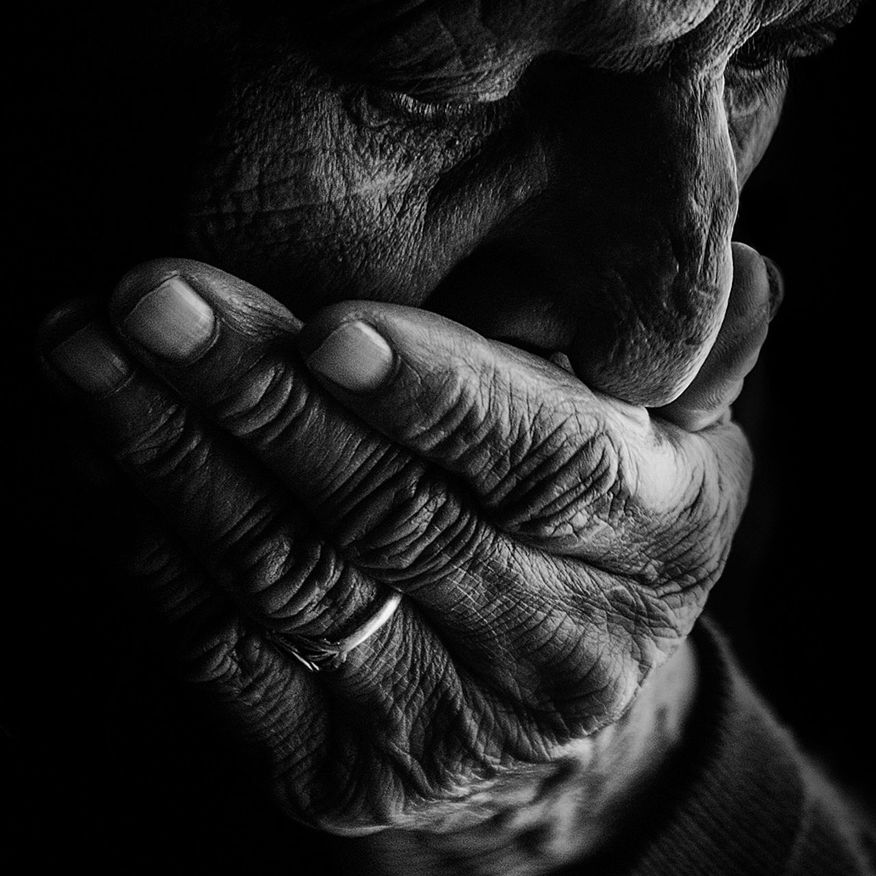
<point x="741" y="797"/>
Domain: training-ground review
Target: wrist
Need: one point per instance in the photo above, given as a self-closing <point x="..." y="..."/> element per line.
<point x="564" y="811"/>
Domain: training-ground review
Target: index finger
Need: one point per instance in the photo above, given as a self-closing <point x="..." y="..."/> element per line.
<point x="549" y="459"/>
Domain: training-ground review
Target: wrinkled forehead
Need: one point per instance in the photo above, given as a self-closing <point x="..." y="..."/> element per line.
<point x="498" y="21"/>
<point x="403" y="39"/>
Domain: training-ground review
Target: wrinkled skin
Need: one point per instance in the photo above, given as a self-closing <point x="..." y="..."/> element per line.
<point x="554" y="538"/>
<point x="589" y="206"/>
<point x="554" y="545"/>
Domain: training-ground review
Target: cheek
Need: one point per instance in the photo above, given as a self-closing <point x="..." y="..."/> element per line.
<point x="294" y="197"/>
<point x="345" y="202"/>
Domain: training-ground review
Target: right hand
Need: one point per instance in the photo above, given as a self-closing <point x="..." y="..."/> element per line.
<point x="553" y="546"/>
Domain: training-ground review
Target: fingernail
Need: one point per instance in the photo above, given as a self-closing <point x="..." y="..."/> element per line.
<point x="777" y="285"/>
<point x="172" y="320"/>
<point x="354" y="356"/>
<point x="89" y="359"/>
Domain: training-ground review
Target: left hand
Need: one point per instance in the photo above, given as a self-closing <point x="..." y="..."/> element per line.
<point x="553" y="546"/>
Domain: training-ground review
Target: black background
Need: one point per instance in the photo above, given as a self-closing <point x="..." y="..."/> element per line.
<point x="104" y="758"/>
<point x="798" y="597"/>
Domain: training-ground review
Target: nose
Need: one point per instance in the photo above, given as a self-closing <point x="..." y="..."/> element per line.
<point x="622" y="260"/>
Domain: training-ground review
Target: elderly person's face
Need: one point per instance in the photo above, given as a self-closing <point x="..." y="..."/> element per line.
<point x="560" y="175"/>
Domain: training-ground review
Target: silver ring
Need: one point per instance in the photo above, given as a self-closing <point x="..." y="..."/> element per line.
<point x="318" y="654"/>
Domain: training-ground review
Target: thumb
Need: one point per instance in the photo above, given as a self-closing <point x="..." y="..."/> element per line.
<point x="754" y="297"/>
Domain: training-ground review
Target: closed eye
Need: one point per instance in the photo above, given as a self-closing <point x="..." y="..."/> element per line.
<point x="483" y="107"/>
<point x="480" y="108"/>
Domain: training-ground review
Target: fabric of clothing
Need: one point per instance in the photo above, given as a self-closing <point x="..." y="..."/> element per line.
<point x="741" y="798"/>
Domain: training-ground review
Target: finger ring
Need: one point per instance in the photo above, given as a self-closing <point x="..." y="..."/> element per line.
<point x="317" y="654"/>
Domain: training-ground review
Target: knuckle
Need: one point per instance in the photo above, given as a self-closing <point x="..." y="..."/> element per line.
<point x="167" y="442"/>
<point x="480" y="423"/>
<point x="207" y="650"/>
<point x="567" y="482"/>
<point x="263" y="402"/>
<point x="292" y="582"/>
<point x="449" y="418"/>
<point x="409" y="526"/>
<point x="230" y="661"/>
<point x="279" y="575"/>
